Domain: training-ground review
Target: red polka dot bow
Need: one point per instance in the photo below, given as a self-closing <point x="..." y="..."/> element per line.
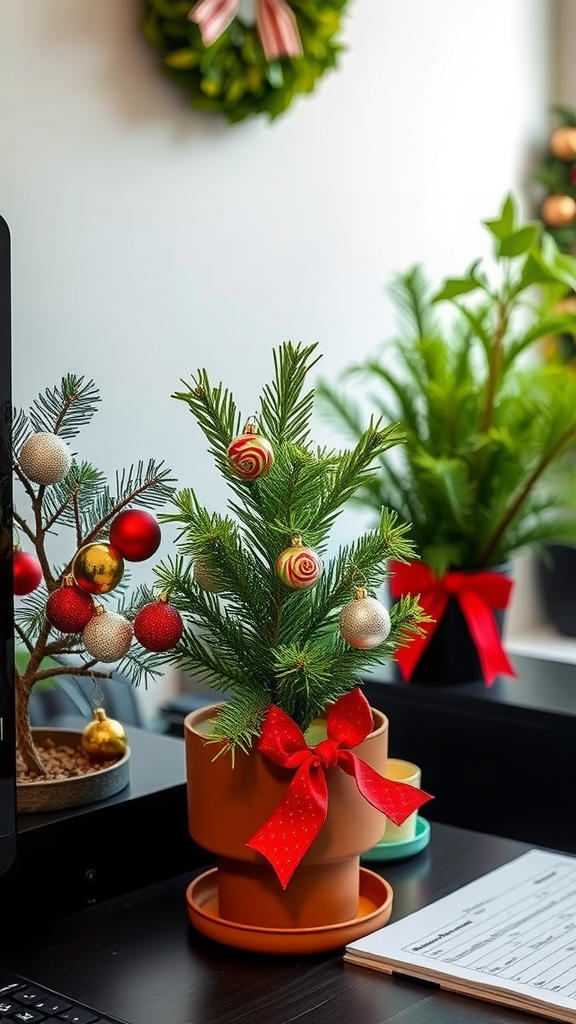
<point x="301" y="813"/>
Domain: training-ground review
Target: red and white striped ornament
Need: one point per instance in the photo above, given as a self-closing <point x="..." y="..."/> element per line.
<point x="250" y="455"/>
<point x="298" y="566"/>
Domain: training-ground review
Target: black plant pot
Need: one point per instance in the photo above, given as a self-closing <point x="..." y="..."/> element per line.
<point x="451" y="656"/>
<point x="557" y="583"/>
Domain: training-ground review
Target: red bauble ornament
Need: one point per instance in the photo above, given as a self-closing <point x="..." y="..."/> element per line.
<point x="27" y="572"/>
<point x="572" y="174"/>
<point x="69" y="608"/>
<point x="158" y="626"/>
<point x="136" y="534"/>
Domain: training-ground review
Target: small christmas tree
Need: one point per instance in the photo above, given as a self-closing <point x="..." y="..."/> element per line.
<point x="271" y="617"/>
<point x="59" y="626"/>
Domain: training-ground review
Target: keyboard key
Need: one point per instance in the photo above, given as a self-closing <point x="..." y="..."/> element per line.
<point x="52" y="1005"/>
<point x="77" y="1015"/>
<point x="8" y="983"/>
<point x="30" y="994"/>
<point x="23" y="1002"/>
<point x="9" y="1006"/>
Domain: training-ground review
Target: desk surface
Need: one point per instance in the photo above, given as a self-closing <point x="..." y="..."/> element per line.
<point x="138" y="958"/>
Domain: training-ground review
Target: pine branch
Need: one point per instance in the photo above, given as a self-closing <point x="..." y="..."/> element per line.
<point x="285" y="408"/>
<point x="64" y="410"/>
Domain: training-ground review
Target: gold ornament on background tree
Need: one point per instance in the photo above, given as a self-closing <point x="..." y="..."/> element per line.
<point x="98" y="567"/>
<point x="563" y="143"/>
<point x="558" y="211"/>
<point x="365" y="622"/>
<point x="104" y="739"/>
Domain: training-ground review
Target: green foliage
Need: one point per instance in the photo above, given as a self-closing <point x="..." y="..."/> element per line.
<point x="232" y="76"/>
<point x="84" y="504"/>
<point x="257" y="640"/>
<point x="486" y="419"/>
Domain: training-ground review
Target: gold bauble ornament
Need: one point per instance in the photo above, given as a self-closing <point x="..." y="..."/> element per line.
<point x="108" y="636"/>
<point x="104" y="738"/>
<point x="365" y="622"/>
<point x="563" y="143"/>
<point x="45" y="458"/>
<point x="98" y="567"/>
<point x="558" y="211"/>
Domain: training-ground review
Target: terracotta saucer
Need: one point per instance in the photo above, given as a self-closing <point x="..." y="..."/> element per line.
<point x="373" y="912"/>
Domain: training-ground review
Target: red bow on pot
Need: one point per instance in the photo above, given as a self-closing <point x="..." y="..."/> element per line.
<point x="301" y="813"/>
<point x="477" y="593"/>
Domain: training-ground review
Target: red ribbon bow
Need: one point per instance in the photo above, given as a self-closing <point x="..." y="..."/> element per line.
<point x="301" y="813"/>
<point x="477" y="594"/>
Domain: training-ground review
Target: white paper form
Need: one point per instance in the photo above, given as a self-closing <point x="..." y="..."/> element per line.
<point x="510" y="936"/>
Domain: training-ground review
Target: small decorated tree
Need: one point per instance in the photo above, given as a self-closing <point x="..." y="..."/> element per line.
<point x="64" y="621"/>
<point x="272" y="616"/>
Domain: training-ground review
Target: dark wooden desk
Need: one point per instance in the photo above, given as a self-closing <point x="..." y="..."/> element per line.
<point x="137" y="957"/>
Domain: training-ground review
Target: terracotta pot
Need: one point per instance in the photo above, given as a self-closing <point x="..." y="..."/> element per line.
<point x="227" y="805"/>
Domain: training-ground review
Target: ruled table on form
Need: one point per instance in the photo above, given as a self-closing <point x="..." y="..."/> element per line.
<point x="526" y="934"/>
<point x="509" y="936"/>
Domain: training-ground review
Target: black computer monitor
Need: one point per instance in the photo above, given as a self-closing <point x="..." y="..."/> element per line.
<point x="7" y="717"/>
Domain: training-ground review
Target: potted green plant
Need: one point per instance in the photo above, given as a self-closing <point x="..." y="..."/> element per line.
<point x="487" y="420"/>
<point x="285" y="773"/>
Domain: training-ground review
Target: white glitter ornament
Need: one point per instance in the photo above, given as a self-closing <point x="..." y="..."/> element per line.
<point x="365" y="622"/>
<point x="108" y="636"/>
<point x="45" y="458"/>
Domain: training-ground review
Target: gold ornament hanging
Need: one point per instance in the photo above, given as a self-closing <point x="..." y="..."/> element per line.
<point x="98" y="567"/>
<point x="104" y="739"/>
<point x="558" y="211"/>
<point x="365" y="622"/>
<point x="563" y="143"/>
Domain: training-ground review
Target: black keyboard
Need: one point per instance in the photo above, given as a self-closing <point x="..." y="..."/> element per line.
<point x="23" y="1002"/>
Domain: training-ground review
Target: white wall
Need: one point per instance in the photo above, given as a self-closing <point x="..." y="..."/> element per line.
<point x="149" y="240"/>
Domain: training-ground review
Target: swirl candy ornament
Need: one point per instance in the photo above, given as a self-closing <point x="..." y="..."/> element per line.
<point x="299" y="567"/>
<point x="250" y="455"/>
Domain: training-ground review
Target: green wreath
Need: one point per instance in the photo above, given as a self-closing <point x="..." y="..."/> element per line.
<point x="232" y="75"/>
